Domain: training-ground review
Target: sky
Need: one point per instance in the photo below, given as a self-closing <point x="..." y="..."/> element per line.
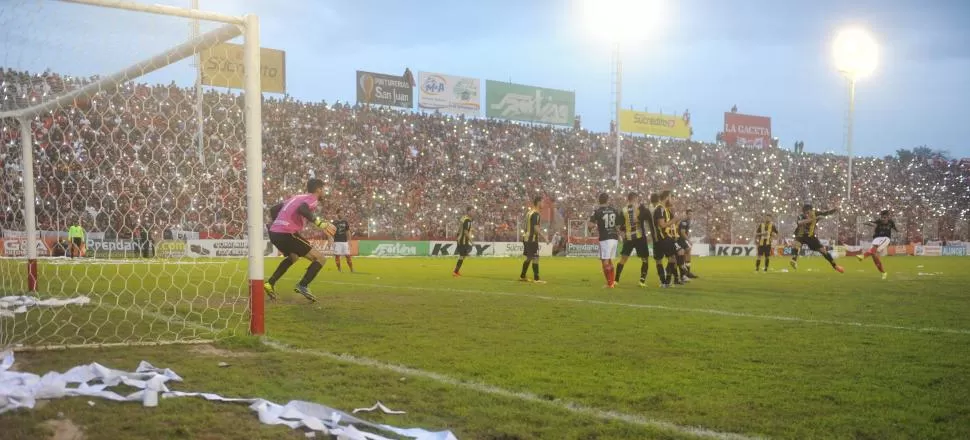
<point x="769" y="58"/>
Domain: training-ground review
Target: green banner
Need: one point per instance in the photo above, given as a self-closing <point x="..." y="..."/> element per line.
<point x="529" y="104"/>
<point x="380" y="248"/>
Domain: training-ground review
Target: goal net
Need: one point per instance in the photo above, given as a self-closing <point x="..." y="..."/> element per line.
<point x="102" y="128"/>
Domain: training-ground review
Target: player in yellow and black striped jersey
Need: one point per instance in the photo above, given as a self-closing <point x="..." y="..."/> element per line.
<point x="530" y="241"/>
<point x="806" y="234"/>
<point x="763" y="236"/>
<point x="633" y="223"/>
<point x="663" y="242"/>
<point x="464" y="240"/>
<point x="681" y="276"/>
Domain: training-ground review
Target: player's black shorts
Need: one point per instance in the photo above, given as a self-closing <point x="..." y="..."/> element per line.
<point x="764" y="249"/>
<point x="682" y="244"/>
<point x="812" y="242"/>
<point x="664" y="248"/>
<point x="530" y="249"/>
<point x="463" y="249"/>
<point x="289" y="244"/>
<point x="637" y="244"/>
<point x="77" y="241"/>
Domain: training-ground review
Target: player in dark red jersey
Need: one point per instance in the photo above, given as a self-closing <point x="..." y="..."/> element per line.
<point x="881" y="237"/>
<point x="341" y="241"/>
<point x="605" y="218"/>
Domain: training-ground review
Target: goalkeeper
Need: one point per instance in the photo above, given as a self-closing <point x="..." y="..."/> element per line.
<point x="289" y="218"/>
<point x="75" y="235"/>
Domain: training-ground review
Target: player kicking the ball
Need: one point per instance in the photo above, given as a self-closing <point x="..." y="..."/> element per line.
<point x="289" y="219"/>
<point x="880" y="239"/>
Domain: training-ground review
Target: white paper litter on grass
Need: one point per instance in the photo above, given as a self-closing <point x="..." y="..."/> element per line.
<point x="22" y="390"/>
<point x="378" y="406"/>
<point x="12" y="305"/>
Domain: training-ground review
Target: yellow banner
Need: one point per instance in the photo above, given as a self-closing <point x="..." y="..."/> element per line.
<point x="654" y="124"/>
<point x="222" y="66"/>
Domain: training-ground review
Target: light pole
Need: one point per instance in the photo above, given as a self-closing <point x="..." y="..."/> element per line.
<point x="621" y="23"/>
<point x="855" y="57"/>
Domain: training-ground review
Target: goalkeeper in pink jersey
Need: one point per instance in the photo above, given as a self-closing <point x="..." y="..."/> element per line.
<point x="289" y="219"/>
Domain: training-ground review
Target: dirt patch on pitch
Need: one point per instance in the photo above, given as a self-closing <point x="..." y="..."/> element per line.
<point x="63" y="429"/>
<point x="210" y="350"/>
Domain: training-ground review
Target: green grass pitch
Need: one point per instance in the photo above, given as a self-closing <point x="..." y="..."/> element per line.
<point x="735" y="354"/>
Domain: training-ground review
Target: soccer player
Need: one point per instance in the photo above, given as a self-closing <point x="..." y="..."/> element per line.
<point x="763" y="236"/>
<point x="464" y="245"/>
<point x="632" y="222"/>
<point x="605" y="220"/>
<point x="530" y="241"/>
<point x="341" y="244"/>
<point x="680" y="274"/>
<point x="805" y="234"/>
<point x="75" y="234"/>
<point x="684" y="245"/>
<point x="663" y="242"/>
<point x="881" y="236"/>
<point x="289" y="219"/>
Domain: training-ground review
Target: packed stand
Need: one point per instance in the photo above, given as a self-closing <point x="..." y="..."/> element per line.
<point x="130" y="158"/>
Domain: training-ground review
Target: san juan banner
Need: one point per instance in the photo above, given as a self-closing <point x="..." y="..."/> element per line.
<point x="222" y="66"/>
<point x="456" y="95"/>
<point x="384" y="89"/>
<point x="654" y="124"/>
<point x="529" y="104"/>
<point x="749" y="130"/>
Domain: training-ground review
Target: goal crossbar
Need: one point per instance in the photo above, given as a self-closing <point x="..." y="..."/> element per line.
<point x="173" y="55"/>
<point x="161" y="10"/>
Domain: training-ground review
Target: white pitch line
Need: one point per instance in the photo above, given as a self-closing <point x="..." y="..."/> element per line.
<point x="566" y="405"/>
<point x="675" y="309"/>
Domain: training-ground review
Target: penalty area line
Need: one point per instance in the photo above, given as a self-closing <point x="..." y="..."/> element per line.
<point x="573" y="407"/>
<point x="674" y="309"/>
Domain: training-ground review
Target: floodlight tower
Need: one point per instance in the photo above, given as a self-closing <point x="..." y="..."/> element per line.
<point x="619" y="23"/>
<point x="855" y="57"/>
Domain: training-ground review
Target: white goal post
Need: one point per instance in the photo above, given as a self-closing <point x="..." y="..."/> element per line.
<point x="159" y="316"/>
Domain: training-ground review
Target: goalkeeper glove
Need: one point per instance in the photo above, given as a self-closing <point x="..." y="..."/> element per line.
<point x="325" y="225"/>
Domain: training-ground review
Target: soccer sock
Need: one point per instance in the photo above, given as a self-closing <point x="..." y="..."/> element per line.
<point x="644" y="269"/>
<point x="535" y="271"/>
<point x="458" y="265"/>
<point x="350" y="263"/>
<point x="606" y="270"/>
<point x="280" y="270"/>
<point x="525" y="268"/>
<point x="337" y="259"/>
<point x="311" y="272"/>
<point x="828" y="256"/>
<point x="687" y="262"/>
<point x="878" y="261"/>
<point x="757" y="265"/>
<point x="661" y="273"/>
<point x="766" y="263"/>
<point x="672" y="271"/>
<point x="619" y="270"/>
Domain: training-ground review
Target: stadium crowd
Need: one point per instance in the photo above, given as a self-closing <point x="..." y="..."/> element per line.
<point x="129" y="158"/>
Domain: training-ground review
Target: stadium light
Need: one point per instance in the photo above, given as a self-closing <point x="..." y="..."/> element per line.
<point x="619" y="23"/>
<point x="855" y="54"/>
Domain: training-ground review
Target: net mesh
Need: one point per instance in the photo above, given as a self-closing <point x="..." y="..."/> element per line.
<point x="126" y="164"/>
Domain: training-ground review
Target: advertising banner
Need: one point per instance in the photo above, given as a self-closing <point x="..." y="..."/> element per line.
<point x="322" y="246"/>
<point x="456" y="95"/>
<point x="170" y="249"/>
<point x="954" y="251"/>
<point x="529" y="104"/>
<point x="224" y="248"/>
<point x="222" y="66"/>
<point x="750" y="130"/>
<point x="112" y="248"/>
<point x="384" y="89"/>
<point x="381" y="248"/>
<point x="449" y="248"/>
<point x="515" y="249"/>
<point x="17" y="247"/>
<point x="736" y="250"/>
<point x="654" y="124"/>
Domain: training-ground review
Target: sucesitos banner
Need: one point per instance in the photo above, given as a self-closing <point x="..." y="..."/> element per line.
<point x="654" y="124"/>
<point x="519" y="102"/>
<point x="222" y="66"/>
